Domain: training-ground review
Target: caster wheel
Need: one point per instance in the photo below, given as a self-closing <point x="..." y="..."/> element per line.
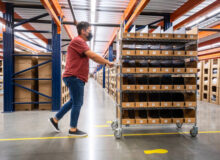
<point x="118" y="133"/>
<point x="114" y="125"/>
<point x="179" y="125"/>
<point x="194" y="131"/>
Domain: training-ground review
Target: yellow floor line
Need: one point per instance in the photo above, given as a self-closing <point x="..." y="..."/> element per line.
<point x="156" y="151"/>
<point x="100" y="136"/>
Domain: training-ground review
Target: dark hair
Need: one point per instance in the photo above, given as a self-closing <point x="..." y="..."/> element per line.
<point x="82" y="25"/>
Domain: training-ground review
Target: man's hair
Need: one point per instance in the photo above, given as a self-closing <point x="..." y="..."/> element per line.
<point x="82" y="25"/>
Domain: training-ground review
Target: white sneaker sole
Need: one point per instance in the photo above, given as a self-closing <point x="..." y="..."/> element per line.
<point x="58" y="131"/>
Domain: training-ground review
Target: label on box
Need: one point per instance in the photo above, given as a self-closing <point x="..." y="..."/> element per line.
<point x="190" y="87"/>
<point x="141" y="87"/>
<point x="128" y="121"/>
<point x="154" y="52"/>
<point x="128" y="52"/>
<point x="127" y="104"/>
<point x="141" y="34"/>
<point x="178" y="121"/>
<point x="128" y="35"/>
<point x="154" y="70"/>
<point x="166" y="52"/>
<point x="191" y="36"/>
<point x="178" y="104"/>
<point x="166" y="70"/>
<point x="165" y="104"/>
<point x="191" y="70"/>
<point x="141" y="104"/>
<point x="153" y="104"/>
<point x="165" y="121"/>
<point x="190" y="104"/>
<point x="179" y="53"/>
<point x="154" y="35"/>
<point x="153" y="121"/>
<point x="128" y="70"/>
<point x="141" y="52"/>
<point x="179" y="36"/>
<point x="128" y="87"/>
<point x="190" y="53"/>
<point x="154" y="87"/>
<point x="166" y="35"/>
<point x="166" y="87"/>
<point x="178" y="87"/>
<point x="189" y="120"/>
<point x="178" y="70"/>
<point x="141" y="70"/>
<point x="141" y="121"/>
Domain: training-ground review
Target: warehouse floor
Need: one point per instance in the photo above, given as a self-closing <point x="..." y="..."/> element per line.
<point x="27" y="135"/>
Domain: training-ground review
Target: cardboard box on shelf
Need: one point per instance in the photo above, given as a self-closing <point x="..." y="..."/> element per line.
<point x="179" y="70"/>
<point x="154" y="104"/>
<point x="142" y="70"/>
<point x="128" y="104"/>
<point x="179" y="53"/>
<point x="179" y="36"/>
<point x="141" y="52"/>
<point x="154" y="70"/>
<point x="128" y="35"/>
<point x="140" y="121"/>
<point x="191" y="70"/>
<point x="141" y="87"/>
<point x="165" y="120"/>
<point x="191" y="53"/>
<point x="178" y="120"/>
<point x="153" y="121"/>
<point x="167" y="36"/>
<point x="128" y="70"/>
<point x="166" y="70"/>
<point x="166" y="87"/>
<point x="189" y="116"/>
<point x="128" y="121"/>
<point x="192" y="36"/>
<point x="141" y="35"/>
<point x="154" y="87"/>
<point x="178" y="104"/>
<point x="178" y="87"/>
<point x="166" y="104"/>
<point x="141" y="104"/>
<point x="24" y="107"/>
<point x="128" y="52"/>
<point x="167" y="53"/>
<point x="154" y="35"/>
<point x="128" y="87"/>
<point x="154" y="52"/>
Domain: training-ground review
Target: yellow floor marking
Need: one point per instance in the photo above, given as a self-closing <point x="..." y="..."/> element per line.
<point x="102" y="126"/>
<point x="109" y="122"/>
<point x="101" y="136"/>
<point x="159" y="151"/>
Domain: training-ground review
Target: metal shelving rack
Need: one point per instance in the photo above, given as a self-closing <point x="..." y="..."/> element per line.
<point x="117" y="125"/>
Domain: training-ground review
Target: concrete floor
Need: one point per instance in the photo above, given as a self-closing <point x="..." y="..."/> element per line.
<point x="99" y="108"/>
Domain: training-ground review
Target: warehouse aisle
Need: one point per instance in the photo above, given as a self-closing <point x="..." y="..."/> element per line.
<point x="97" y="110"/>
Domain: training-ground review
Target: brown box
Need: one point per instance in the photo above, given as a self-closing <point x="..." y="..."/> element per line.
<point x="178" y="120"/>
<point x="167" y="53"/>
<point x="154" y="87"/>
<point x="45" y="87"/>
<point x="189" y="116"/>
<point x="190" y="87"/>
<point x="141" y="52"/>
<point x="23" y="107"/>
<point x="179" y="36"/>
<point x="154" y="52"/>
<point x="179" y="53"/>
<point x="140" y="121"/>
<point x="178" y="104"/>
<point x="191" y="53"/>
<point x="154" y="35"/>
<point x="153" y="104"/>
<point x="166" y="104"/>
<point x="166" y="70"/>
<point x="167" y="36"/>
<point x="128" y="35"/>
<point x="192" y="36"/>
<point x="128" y="104"/>
<point x="141" y="104"/>
<point x="153" y="121"/>
<point x="141" y="35"/>
<point x="128" y="121"/>
<point x="128" y="52"/>
<point x="128" y="87"/>
<point x="178" y="87"/>
<point x="44" y="71"/>
<point x="141" y="87"/>
<point x="190" y="104"/>
<point x="128" y="70"/>
<point x="165" y="120"/>
<point x="166" y="87"/>
<point x="179" y="70"/>
<point x="154" y="70"/>
<point x="23" y="93"/>
<point x="191" y="70"/>
<point x="142" y="70"/>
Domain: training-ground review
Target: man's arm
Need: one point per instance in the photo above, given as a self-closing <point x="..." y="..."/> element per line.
<point x="97" y="58"/>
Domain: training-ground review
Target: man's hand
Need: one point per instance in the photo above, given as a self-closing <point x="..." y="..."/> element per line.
<point x="111" y="64"/>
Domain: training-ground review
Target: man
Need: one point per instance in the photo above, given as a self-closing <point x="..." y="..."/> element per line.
<point x="75" y="77"/>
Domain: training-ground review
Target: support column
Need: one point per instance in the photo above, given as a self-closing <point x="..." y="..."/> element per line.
<point x="103" y="83"/>
<point x="167" y="23"/>
<point x="56" y="68"/>
<point x="110" y="58"/>
<point x="8" y="50"/>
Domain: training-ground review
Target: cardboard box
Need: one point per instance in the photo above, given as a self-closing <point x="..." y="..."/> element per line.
<point x="166" y="70"/>
<point x="189" y="116"/>
<point x="167" y="53"/>
<point x="179" y="36"/>
<point x="192" y="36"/>
<point x="190" y="104"/>
<point x="153" y="121"/>
<point x="167" y="36"/>
<point x="154" y="35"/>
<point x="128" y="104"/>
<point x="140" y="121"/>
<point x="166" y="104"/>
<point x="128" y="70"/>
<point x="191" y="70"/>
<point x="178" y="104"/>
<point x="189" y="120"/>
<point x="128" y="35"/>
<point x="178" y="87"/>
<point x="190" y="87"/>
<point x="128" y="87"/>
<point x="141" y="35"/>
<point x="45" y="87"/>
<point x="191" y="53"/>
<point x="154" y="70"/>
<point x="153" y="104"/>
<point x="141" y="87"/>
<point x="44" y="71"/>
<point x="165" y="120"/>
<point x="141" y="52"/>
<point x="128" y="52"/>
<point x="128" y="121"/>
<point x="178" y="120"/>
<point x="23" y="107"/>
<point x="141" y="104"/>
<point x="154" y="52"/>
<point x="142" y="70"/>
<point x="154" y="87"/>
<point x="179" y="53"/>
<point x="179" y="70"/>
<point x="166" y="87"/>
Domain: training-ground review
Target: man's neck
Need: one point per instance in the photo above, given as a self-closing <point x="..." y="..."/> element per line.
<point x="83" y="37"/>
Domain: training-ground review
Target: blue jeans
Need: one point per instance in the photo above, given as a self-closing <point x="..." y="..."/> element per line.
<point x="76" y="90"/>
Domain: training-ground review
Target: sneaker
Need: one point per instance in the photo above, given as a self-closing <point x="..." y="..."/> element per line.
<point x="54" y="125"/>
<point x="78" y="133"/>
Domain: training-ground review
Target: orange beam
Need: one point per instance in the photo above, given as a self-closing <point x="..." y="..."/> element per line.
<point x="199" y="14"/>
<point x="203" y="34"/>
<point x="56" y="7"/>
<point x="209" y="42"/>
<point x="209" y="51"/>
<point x="210" y="56"/>
<point x="136" y="13"/>
<point x="52" y="13"/>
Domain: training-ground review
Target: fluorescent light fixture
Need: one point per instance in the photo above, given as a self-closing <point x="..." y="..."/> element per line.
<point x="195" y="22"/>
<point x="209" y="46"/>
<point x="92" y="20"/>
<point x="214" y="12"/>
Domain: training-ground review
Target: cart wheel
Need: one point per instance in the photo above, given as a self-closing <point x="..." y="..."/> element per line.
<point x="114" y="125"/>
<point x="118" y="133"/>
<point x="194" y="131"/>
<point x="179" y="125"/>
